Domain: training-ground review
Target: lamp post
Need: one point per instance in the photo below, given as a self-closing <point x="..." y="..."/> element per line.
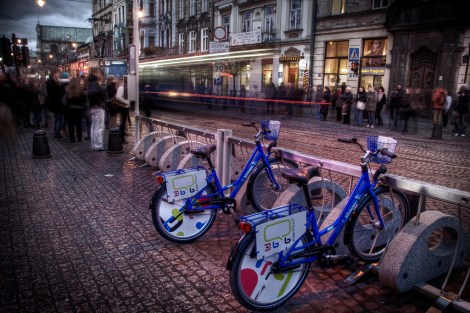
<point x="134" y="59"/>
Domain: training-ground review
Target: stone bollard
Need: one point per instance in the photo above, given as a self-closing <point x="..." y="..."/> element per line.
<point x="114" y="141"/>
<point x="40" y="145"/>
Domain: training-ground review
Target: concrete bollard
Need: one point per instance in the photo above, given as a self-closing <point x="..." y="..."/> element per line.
<point x="409" y="259"/>
<point x="114" y="141"/>
<point x="40" y="145"/>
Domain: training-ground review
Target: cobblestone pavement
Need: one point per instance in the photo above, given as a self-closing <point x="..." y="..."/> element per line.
<point x="77" y="236"/>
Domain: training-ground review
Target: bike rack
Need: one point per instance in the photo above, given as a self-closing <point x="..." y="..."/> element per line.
<point x="418" y="193"/>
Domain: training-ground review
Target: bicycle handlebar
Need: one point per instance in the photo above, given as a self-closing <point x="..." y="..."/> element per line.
<point x="260" y="133"/>
<point x="383" y="151"/>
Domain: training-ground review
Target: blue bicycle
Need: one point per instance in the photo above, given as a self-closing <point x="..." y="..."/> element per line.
<point x="272" y="260"/>
<point x="184" y="206"/>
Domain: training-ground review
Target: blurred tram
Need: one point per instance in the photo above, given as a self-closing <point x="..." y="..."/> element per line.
<point x="199" y="79"/>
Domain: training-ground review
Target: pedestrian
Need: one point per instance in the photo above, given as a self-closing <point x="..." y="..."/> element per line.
<point x="37" y="102"/>
<point x="242" y="96"/>
<point x="396" y="102"/>
<point x="325" y="103"/>
<point x="270" y="93"/>
<point x="346" y="102"/>
<point x="338" y="103"/>
<point x="96" y="99"/>
<point x="318" y="100"/>
<point x="55" y="93"/>
<point x="381" y="101"/>
<point x="123" y="110"/>
<point x="462" y="108"/>
<point x="290" y="95"/>
<point x="25" y="102"/>
<point x="438" y="100"/>
<point x="111" y="109"/>
<point x="9" y="94"/>
<point x="361" y="99"/>
<point x="371" y="106"/>
<point x="447" y="106"/>
<point x="75" y="100"/>
<point x="7" y="123"/>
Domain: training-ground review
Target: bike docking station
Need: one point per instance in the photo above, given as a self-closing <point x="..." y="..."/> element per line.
<point x="431" y="244"/>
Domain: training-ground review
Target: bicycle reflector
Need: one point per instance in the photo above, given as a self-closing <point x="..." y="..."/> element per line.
<point x="245" y="227"/>
<point x="159" y="179"/>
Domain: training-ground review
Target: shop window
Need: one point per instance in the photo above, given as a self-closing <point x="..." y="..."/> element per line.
<point x="338" y="7"/>
<point x="336" y="62"/>
<point x="375" y="51"/>
<point x="295" y="14"/>
<point x="267" y="74"/>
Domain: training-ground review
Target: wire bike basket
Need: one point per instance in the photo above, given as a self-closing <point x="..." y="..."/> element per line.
<point x="273" y="126"/>
<point x="379" y="142"/>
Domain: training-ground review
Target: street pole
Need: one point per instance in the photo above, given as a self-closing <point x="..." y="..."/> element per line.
<point x="135" y="18"/>
<point x="466" y="67"/>
<point x="312" y="48"/>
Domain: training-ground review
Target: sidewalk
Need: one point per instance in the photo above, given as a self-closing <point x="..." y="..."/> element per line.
<point x="77" y="236"/>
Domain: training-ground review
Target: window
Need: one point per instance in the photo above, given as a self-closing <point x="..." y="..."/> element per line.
<point x="336" y="63"/>
<point x="181" y="9"/>
<point x="270" y="17"/>
<point x="205" y="6"/>
<point x="295" y="14"/>
<point x="192" y="8"/>
<point x="204" y="39"/>
<point x="226" y="24"/>
<point x="151" y="41"/>
<point x="379" y="4"/>
<point x="192" y="41"/>
<point x="338" y="7"/>
<point x="246" y="17"/>
<point x="181" y="43"/>
<point x="152" y="9"/>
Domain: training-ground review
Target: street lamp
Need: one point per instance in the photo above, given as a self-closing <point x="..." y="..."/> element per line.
<point x="136" y="9"/>
<point x="41" y="3"/>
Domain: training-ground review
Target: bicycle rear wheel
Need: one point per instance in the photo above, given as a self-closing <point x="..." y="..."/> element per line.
<point x="260" y="189"/>
<point x="255" y="286"/>
<point x="173" y="223"/>
<point x="363" y="234"/>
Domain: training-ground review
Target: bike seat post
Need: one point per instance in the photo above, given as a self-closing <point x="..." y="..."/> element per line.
<point x="209" y="161"/>
<point x="307" y="196"/>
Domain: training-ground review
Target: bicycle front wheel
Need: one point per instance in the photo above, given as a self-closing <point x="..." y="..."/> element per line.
<point x="253" y="283"/>
<point x="366" y="239"/>
<point x="174" y="223"/>
<point x="261" y="191"/>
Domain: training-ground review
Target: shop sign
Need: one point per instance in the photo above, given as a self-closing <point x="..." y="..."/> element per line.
<point x="246" y="38"/>
<point x="132" y="59"/>
<point x="373" y="71"/>
<point x="219" y="46"/>
<point x="290" y="59"/>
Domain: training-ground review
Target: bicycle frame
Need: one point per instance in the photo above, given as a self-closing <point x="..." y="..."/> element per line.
<point x="257" y="156"/>
<point x="363" y="186"/>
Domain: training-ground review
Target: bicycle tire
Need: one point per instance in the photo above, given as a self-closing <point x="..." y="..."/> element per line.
<point x="246" y="285"/>
<point x="188" y="227"/>
<point x="365" y="239"/>
<point x="260" y="190"/>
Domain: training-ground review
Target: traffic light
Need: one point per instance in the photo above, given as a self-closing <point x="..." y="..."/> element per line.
<point x="6" y="48"/>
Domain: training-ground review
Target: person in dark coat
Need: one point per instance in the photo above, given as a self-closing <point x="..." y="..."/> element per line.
<point x="462" y="108"/>
<point x="325" y="103"/>
<point x="346" y="100"/>
<point x="396" y="103"/>
<point x="270" y="93"/>
<point x="55" y="93"/>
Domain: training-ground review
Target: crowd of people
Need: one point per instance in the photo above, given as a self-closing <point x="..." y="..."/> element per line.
<point x="69" y="107"/>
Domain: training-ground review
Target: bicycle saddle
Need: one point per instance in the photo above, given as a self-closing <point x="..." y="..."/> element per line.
<point x="203" y="151"/>
<point x="302" y="175"/>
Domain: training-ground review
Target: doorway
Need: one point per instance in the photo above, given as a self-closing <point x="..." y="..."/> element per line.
<point x="422" y="79"/>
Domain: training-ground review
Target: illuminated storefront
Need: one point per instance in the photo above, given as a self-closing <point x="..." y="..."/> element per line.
<point x="373" y="62"/>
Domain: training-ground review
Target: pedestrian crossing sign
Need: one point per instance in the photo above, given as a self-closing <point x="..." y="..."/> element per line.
<point x="353" y="54"/>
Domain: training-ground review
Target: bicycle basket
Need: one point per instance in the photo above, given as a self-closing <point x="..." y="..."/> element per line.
<point x="273" y="126"/>
<point x="378" y="142"/>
